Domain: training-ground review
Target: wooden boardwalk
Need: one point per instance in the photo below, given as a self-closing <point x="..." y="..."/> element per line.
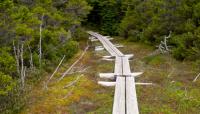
<point x="125" y="99"/>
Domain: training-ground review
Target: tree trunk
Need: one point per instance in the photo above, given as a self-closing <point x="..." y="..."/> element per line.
<point x="31" y="57"/>
<point x="22" y="64"/>
<point x="40" y="43"/>
<point x="16" y="57"/>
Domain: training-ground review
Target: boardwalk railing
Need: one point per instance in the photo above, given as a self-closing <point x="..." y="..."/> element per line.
<point x="125" y="99"/>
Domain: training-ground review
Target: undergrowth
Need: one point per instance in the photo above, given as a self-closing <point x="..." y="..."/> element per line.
<point x="173" y="91"/>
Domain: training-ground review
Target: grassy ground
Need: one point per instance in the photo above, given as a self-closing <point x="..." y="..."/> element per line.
<point x="84" y="96"/>
<point x="173" y="91"/>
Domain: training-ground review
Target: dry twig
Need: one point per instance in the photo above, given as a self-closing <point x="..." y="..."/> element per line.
<point x="69" y="69"/>
<point x="196" y="77"/>
<point x="54" y="72"/>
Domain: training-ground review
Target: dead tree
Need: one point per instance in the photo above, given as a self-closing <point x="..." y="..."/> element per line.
<point x="16" y="53"/>
<point x="23" y="69"/>
<point x="24" y="75"/>
<point x="40" y="43"/>
<point x="31" y="57"/>
<point x="19" y="56"/>
<point x="22" y="65"/>
<point x="163" y="47"/>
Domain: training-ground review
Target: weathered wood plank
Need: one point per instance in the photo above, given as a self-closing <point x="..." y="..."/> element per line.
<point x="107" y="44"/>
<point x="131" y="98"/>
<point x="126" y="67"/>
<point x="118" y="66"/>
<point x="125" y="99"/>
<point x="119" y="98"/>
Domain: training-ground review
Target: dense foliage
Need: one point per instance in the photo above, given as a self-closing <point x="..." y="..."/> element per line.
<point x="148" y="21"/>
<point x="34" y="35"/>
<point x="105" y="16"/>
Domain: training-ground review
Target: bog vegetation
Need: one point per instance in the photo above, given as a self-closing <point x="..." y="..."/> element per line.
<point x="36" y="34"/>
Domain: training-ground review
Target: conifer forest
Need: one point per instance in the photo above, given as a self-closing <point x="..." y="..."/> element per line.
<point x="52" y="63"/>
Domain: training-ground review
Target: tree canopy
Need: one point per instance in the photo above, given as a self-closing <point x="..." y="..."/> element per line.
<point x="149" y="21"/>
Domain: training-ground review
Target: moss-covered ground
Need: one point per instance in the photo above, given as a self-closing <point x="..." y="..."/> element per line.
<point x="173" y="92"/>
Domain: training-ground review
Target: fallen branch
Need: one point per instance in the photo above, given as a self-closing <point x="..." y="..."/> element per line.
<point x="156" y="52"/>
<point x="172" y="71"/>
<point x="69" y="69"/>
<point x="80" y="71"/>
<point x="73" y="82"/>
<point x="54" y="72"/>
<point x="69" y="93"/>
<point x="139" y="83"/>
<point x="196" y="77"/>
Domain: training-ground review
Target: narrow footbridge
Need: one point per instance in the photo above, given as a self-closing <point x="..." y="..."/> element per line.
<point x="125" y="99"/>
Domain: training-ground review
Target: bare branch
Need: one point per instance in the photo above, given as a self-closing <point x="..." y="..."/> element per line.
<point x="196" y="77"/>
<point x="69" y="69"/>
<point x="69" y="93"/>
<point x="79" y="71"/>
<point x="54" y="71"/>
<point x="163" y="47"/>
<point x="172" y="71"/>
<point x="24" y="75"/>
<point x="73" y="82"/>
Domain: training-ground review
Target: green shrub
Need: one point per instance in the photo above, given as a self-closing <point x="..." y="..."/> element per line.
<point x="7" y="61"/>
<point x="179" y="53"/>
<point x="187" y="46"/>
<point x="154" y="60"/>
<point x="133" y="35"/>
<point x="80" y="34"/>
<point x="70" y="48"/>
<point x="7" y="84"/>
